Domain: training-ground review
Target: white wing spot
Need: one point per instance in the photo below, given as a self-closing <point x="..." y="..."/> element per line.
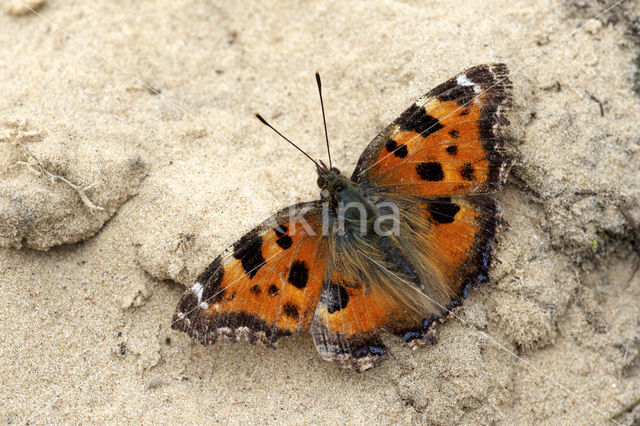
<point x="197" y="289"/>
<point x="462" y="80"/>
<point x="497" y="114"/>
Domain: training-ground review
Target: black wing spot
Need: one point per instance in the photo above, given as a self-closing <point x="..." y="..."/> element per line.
<point x="299" y="274"/>
<point x="431" y="171"/>
<point x="464" y="112"/>
<point x="391" y="145"/>
<point x="290" y="310"/>
<point x="285" y="242"/>
<point x="452" y="149"/>
<point x="443" y="210"/>
<point x="466" y="171"/>
<point x="273" y="290"/>
<point x="335" y="297"/>
<point x="255" y="289"/>
<point x="280" y="230"/>
<point x="454" y="133"/>
<point x="249" y="251"/>
<point x="401" y="151"/>
<point x="416" y="119"/>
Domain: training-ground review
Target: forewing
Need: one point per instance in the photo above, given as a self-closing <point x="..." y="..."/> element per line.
<point x="263" y="287"/>
<point x="449" y="142"/>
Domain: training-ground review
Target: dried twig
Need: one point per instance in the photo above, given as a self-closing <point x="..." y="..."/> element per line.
<point x="593" y="98"/>
<point x="81" y="190"/>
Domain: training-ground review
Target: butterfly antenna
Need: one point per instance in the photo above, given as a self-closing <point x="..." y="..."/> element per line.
<point x="263" y="121"/>
<point x="324" y="119"/>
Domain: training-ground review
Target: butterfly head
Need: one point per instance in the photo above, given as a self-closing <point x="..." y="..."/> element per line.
<point x="334" y="185"/>
<point x="329" y="178"/>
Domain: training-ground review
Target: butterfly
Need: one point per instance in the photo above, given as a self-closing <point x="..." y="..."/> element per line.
<point x="394" y="247"/>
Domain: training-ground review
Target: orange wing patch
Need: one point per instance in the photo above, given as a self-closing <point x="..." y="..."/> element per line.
<point x="264" y="287"/>
<point x="450" y="160"/>
<point x="284" y="290"/>
<point x="455" y="240"/>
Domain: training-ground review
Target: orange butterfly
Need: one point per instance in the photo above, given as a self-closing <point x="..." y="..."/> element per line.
<point x="394" y="247"/>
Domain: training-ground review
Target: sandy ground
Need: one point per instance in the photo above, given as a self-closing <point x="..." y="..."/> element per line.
<point x="145" y="109"/>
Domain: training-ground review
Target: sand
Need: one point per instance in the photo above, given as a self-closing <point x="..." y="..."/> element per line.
<point x="146" y="110"/>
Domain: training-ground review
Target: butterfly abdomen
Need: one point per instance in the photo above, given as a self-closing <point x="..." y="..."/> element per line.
<point x="397" y="261"/>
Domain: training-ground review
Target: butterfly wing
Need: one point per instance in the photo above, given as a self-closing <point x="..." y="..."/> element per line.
<point x="449" y="142"/>
<point x="263" y="287"/>
<point x="404" y="283"/>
